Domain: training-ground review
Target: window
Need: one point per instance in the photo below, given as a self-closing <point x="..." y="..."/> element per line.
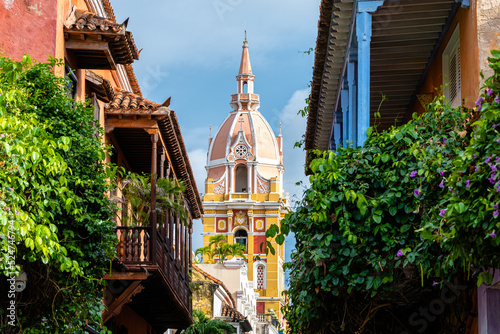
<point x="451" y="70"/>
<point x="240" y="237"/>
<point x="259" y="274"/>
<point x="72" y="81"/>
<point x="241" y="179"/>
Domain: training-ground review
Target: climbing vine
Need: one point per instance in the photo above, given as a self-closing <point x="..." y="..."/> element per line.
<point x="55" y="217"/>
<point x="385" y="227"/>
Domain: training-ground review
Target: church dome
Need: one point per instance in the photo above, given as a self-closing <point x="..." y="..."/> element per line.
<point x="245" y="138"/>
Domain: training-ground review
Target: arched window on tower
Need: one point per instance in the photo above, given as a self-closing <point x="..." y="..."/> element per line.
<point x="245" y="87"/>
<point x="259" y="274"/>
<point x="241" y="179"/>
<point x="241" y="237"/>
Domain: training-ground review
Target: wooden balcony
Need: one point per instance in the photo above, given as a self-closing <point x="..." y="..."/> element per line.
<point x="159" y="258"/>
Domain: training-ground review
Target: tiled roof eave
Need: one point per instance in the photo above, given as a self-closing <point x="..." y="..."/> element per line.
<point x="334" y="32"/>
<point x="86" y="26"/>
<point x="169" y="127"/>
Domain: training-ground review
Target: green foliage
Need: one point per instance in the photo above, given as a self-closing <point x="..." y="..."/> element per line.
<point x="418" y="203"/>
<point x="219" y="250"/>
<point x="55" y="212"/>
<point x="203" y="325"/>
<point x="136" y="190"/>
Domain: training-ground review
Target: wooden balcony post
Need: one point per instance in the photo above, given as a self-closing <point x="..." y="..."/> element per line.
<point x="177" y="239"/>
<point x="162" y="163"/>
<point x="190" y="243"/>
<point x="154" y="162"/>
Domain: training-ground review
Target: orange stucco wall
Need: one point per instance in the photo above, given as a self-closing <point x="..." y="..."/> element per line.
<point x="28" y="27"/>
<point x="469" y="50"/>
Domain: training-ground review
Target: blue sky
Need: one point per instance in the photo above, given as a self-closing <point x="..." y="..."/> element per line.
<point x="192" y="51"/>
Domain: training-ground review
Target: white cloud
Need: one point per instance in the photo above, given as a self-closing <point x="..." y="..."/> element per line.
<point x="201" y="32"/>
<point x="293" y="128"/>
<point x="198" y="159"/>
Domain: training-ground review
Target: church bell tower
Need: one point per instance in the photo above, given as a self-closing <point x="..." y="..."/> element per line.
<point x="244" y="189"/>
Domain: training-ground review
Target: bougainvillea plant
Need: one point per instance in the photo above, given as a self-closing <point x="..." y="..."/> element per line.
<point x="386" y="226"/>
<point x="55" y="217"/>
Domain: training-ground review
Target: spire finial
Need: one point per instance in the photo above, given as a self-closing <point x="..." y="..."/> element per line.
<point x="210" y="134"/>
<point x="245" y="67"/>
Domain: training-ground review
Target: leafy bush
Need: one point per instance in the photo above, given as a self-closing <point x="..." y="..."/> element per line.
<point x="55" y="217"/>
<point x="392" y="222"/>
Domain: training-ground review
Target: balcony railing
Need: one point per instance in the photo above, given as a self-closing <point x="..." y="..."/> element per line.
<point x="167" y="246"/>
<point x="269" y="320"/>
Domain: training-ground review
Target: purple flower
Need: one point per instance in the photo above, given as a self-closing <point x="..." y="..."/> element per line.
<point x="476" y="168"/>
<point x="11" y="189"/>
<point x="400" y="253"/>
<point x="467" y="184"/>
<point x="493" y="235"/>
<point x="434" y="283"/>
<point x="441" y="173"/>
<point x="441" y="185"/>
<point x="495" y="213"/>
<point x="17" y="212"/>
<point x="495" y="206"/>
<point x="450" y="188"/>
<point x="494" y="168"/>
<point x="475" y="156"/>
<point x="300" y="258"/>
<point x="498" y="140"/>
<point x="444" y="140"/>
<point x="487" y="160"/>
<point x="413" y="174"/>
<point x="489" y="91"/>
<point x="7" y="104"/>
<point x="479" y="101"/>
<point x="442" y="212"/>
<point x="478" y="108"/>
<point x="416" y="192"/>
<point x="495" y="125"/>
<point x="497" y="100"/>
<point x="13" y="155"/>
<point x="2" y="135"/>
<point x="498" y="188"/>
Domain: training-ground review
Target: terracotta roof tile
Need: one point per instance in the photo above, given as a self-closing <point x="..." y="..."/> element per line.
<point x="84" y="20"/>
<point x="124" y="102"/>
<point x="235" y="316"/>
<point x="228" y="311"/>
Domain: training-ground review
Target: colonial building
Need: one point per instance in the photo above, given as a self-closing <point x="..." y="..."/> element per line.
<point x="219" y="300"/>
<point x="244" y="189"/>
<point x="408" y="51"/>
<point x="148" y="289"/>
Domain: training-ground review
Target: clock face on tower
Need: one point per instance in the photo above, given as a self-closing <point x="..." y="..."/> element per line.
<point x="240" y="151"/>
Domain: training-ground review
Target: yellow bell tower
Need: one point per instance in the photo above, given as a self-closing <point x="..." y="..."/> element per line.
<point x="244" y="189"/>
